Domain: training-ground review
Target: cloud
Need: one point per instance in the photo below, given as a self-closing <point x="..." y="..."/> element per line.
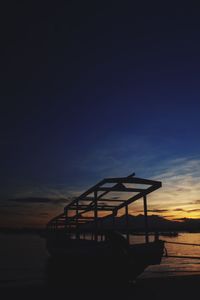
<point x="168" y="216"/>
<point x="9" y="211"/>
<point x="180" y="177"/>
<point x="180" y="181"/>
<point x="158" y="210"/>
<point x="40" y="200"/>
<point x="197" y="221"/>
<point x="196" y="202"/>
<point x="193" y="210"/>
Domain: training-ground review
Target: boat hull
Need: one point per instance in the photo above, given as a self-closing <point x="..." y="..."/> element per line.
<point x="100" y="261"/>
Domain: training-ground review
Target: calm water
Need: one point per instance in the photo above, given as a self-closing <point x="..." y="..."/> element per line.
<point x="23" y="259"/>
<point x="176" y="266"/>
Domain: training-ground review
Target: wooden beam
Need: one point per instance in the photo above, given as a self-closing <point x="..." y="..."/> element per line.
<point x="100" y="207"/>
<point x="80" y="207"/>
<point x="106" y="200"/>
<point x="112" y="200"/>
<point x="132" y="180"/>
<point x="120" y="189"/>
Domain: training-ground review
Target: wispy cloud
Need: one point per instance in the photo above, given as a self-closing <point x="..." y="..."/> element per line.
<point x="180" y="177"/>
<point x="193" y="210"/>
<point x="156" y="210"/>
<point x="197" y="202"/>
<point x="36" y="200"/>
<point x="181" y="185"/>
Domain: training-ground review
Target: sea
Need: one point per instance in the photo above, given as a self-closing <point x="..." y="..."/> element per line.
<point x="23" y="258"/>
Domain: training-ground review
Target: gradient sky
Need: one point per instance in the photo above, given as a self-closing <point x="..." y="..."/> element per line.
<point x="92" y="89"/>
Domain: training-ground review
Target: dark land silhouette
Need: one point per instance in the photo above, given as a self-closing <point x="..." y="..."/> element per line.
<point x="155" y="223"/>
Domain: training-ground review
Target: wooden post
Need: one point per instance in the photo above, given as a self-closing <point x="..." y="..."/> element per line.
<point x="146" y="219"/>
<point x="95" y="215"/>
<point x="127" y="224"/>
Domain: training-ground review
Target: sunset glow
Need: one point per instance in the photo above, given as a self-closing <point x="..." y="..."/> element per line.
<point x="177" y="199"/>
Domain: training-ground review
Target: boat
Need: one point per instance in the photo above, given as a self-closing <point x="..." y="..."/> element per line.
<point x="85" y="239"/>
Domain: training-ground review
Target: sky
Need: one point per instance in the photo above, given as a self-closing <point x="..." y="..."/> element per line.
<point x="92" y="89"/>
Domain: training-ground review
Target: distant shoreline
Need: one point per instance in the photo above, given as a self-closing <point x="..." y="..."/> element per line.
<point x="41" y="231"/>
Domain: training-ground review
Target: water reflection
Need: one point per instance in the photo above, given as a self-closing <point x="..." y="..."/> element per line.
<point x="176" y="266"/>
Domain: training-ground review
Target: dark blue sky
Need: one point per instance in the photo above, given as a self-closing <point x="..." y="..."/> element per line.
<point x="92" y="89"/>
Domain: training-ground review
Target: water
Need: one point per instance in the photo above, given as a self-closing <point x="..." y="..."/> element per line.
<point x="176" y="266"/>
<point x="23" y="258"/>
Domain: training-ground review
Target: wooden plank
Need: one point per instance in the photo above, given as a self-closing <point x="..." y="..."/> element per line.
<point x="81" y="207"/>
<point x="112" y="200"/>
<point x="88" y="199"/>
<point x="132" y="180"/>
<point x="120" y="189"/>
<point x="100" y="199"/>
<point x="100" y="207"/>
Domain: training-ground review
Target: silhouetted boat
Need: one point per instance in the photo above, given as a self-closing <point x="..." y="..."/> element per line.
<point x="80" y="241"/>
